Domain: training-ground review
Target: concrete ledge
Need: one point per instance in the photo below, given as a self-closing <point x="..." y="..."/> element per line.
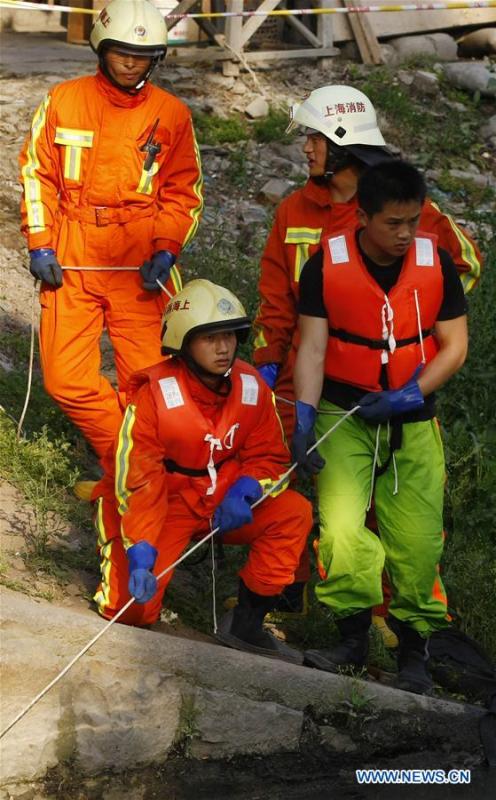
<point x="138" y="693"/>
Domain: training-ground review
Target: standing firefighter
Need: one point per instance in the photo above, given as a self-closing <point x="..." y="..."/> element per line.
<point x="200" y="443"/>
<point x="112" y="183"/>
<point x="343" y="139"/>
<point x="383" y="326"/>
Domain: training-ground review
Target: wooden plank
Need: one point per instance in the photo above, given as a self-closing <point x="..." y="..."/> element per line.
<point x="208" y="54"/>
<point x="79" y="25"/>
<point x="325" y="30"/>
<point x="182" y="8"/>
<point x="402" y="23"/>
<point x="304" y="31"/>
<point x="365" y="38"/>
<point x="254" y="23"/>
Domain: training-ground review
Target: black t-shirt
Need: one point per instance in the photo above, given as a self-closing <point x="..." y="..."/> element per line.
<point x="311" y="304"/>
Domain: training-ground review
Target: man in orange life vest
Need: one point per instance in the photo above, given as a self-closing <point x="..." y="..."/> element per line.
<point x="112" y="185"/>
<point x="342" y="139"/>
<point x="383" y="326"/>
<point x="201" y="441"/>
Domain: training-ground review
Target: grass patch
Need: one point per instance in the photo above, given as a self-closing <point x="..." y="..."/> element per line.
<point x="469" y="429"/>
<point x="415" y="125"/>
<point x="211" y="129"/>
<point x="41" y="469"/>
<point x="272" y="128"/>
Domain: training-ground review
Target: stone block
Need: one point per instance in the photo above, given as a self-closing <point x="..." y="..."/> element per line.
<point x="228" y="725"/>
<point x="275" y="189"/>
<point x="257" y="109"/>
<point x="473" y="77"/>
<point x="123" y="719"/>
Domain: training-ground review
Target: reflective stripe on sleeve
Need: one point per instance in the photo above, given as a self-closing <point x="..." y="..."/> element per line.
<point x="468" y="253"/>
<point x="175" y="277"/>
<point x="32" y="185"/>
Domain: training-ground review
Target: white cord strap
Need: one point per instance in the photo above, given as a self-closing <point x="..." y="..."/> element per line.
<point x="419" y="325"/>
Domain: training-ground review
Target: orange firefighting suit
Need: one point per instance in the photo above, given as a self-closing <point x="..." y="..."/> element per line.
<point x="302" y="221"/>
<point x="88" y="196"/>
<point x="180" y="448"/>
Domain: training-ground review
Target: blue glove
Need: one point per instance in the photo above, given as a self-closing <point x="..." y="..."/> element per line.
<point x="269" y="373"/>
<point x="142" y="583"/>
<point x="304" y="438"/>
<point x="235" y="511"/>
<point x="159" y="267"/>
<point x="380" y="406"/>
<point x="43" y="265"/>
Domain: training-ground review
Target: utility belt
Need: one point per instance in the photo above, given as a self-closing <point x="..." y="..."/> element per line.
<point x="102" y="215"/>
<point x="375" y="344"/>
<point x="172" y="466"/>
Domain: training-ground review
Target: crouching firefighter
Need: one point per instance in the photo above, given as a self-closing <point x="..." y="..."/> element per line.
<point x="199" y="444"/>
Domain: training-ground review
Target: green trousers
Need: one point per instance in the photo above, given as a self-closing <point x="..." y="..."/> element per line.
<point x="409" y="509"/>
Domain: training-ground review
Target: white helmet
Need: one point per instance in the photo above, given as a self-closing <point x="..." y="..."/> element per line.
<point x="346" y="117"/>
<point x="201" y="306"/>
<point x="135" y="26"/>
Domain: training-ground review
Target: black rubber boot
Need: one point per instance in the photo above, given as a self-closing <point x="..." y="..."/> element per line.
<point x="413" y="655"/>
<point x="242" y="628"/>
<point x="352" y="650"/>
<point x="293" y="600"/>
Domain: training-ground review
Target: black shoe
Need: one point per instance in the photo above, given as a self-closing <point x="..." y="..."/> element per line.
<point x="242" y="628"/>
<point x="351" y="652"/>
<point x="413" y="655"/>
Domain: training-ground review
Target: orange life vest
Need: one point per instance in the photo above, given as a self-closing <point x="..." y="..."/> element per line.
<point x="369" y="329"/>
<point x="199" y="453"/>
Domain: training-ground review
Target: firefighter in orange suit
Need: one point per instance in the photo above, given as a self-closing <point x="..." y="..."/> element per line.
<point x="112" y="192"/>
<point x="343" y="138"/>
<point x="200" y="443"/>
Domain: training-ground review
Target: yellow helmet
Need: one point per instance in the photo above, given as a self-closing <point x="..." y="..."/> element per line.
<point x="201" y="306"/>
<point x="134" y="26"/>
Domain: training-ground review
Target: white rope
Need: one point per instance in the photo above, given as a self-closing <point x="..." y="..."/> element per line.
<point x="419" y="325"/>
<point x="31" y="362"/>
<point x="323" y="411"/>
<point x="164" y="289"/>
<point x="99" y="269"/>
<point x="396" y="480"/>
<point x="185" y="555"/>
<point x="214" y="600"/>
<point x="374" y="464"/>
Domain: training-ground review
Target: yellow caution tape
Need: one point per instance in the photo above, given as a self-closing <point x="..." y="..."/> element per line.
<point x="282" y="12"/>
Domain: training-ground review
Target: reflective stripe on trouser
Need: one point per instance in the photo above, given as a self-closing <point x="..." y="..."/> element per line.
<point x="351" y="557"/>
<point x="284" y="388"/>
<point x="276" y="538"/>
<point x="72" y="320"/>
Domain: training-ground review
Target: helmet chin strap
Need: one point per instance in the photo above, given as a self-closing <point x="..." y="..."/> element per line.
<point x="202" y="373"/>
<point x="142" y="81"/>
<point x="336" y="161"/>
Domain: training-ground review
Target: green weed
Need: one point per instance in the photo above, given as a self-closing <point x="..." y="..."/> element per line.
<point x="466" y="410"/>
<point x="211" y="129"/>
<point x="272" y="128"/>
<point x="41" y="469"/>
